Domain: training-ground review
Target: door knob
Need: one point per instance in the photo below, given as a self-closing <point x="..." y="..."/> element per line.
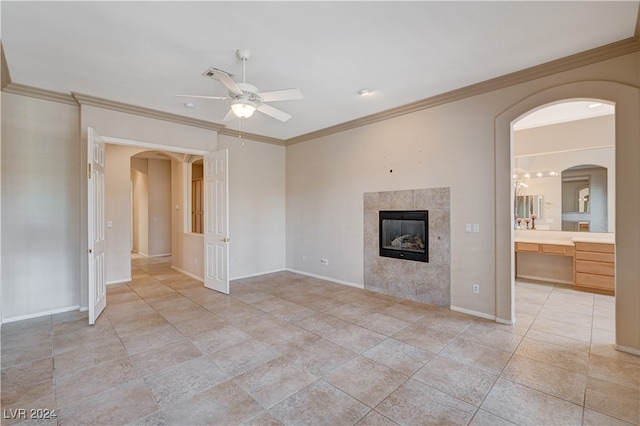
<point x="226" y="240"/>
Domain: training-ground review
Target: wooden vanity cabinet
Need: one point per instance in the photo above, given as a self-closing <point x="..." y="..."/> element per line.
<point x="595" y="267"/>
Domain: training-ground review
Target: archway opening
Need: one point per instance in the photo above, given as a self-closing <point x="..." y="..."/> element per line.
<point x="564" y="261"/>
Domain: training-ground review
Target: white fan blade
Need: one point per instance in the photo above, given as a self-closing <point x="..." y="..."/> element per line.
<point x="224" y="79"/>
<point x="281" y="95"/>
<point x="204" y="97"/>
<point x="230" y="116"/>
<point x="274" y="112"/>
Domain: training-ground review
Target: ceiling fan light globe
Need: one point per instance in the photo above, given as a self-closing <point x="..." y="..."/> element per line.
<point x="243" y="108"/>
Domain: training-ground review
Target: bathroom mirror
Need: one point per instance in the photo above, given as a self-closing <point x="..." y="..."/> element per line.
<point x="526" y="205"/>
<point x="584" y="199"/>
<point x="553" y="149"/>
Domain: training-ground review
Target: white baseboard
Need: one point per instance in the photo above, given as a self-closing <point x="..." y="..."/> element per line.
<point x="41" y="314"/>
<point x="505" y="321"/>
<point x="632" y="351"/>
<point x="546" y="280"/>
<point x="257" y="274"/>
<point x="189" y="274"/>
<point x="350" y="284"/>
<point x="474" y="313"/>
<point x="159" y="255"/>
<point x="127" y="280"/>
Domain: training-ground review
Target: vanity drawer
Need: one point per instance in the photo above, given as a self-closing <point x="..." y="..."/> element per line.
<point x="603" y="282"/>
<point x="595" y="257"/>
<point x="599" y="268"/>
<point x="595" y="247"/>
<point x="530" y="247"/>
<point x="557" y="249"/>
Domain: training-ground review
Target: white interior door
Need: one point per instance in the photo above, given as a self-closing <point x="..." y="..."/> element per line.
<point x="216" y="221"/>
<point x="96" y="225"/>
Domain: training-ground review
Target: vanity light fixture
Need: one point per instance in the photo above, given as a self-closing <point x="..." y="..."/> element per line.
<point x="537" y="174"/>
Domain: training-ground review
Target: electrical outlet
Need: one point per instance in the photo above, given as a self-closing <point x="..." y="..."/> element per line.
<point x="195" y="260"/>
<point x="476" y="288"/>
<point x="304" y="258"/>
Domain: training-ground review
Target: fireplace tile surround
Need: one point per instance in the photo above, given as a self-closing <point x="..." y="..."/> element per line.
<point x="422" y="282"/>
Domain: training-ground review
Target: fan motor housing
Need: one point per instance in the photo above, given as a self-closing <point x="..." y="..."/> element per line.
<point x="249" y="91"/>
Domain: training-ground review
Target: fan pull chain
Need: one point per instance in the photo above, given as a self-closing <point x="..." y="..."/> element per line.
<point x="240" y="130"/>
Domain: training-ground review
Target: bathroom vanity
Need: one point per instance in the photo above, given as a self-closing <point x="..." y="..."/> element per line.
<point x="587" y="263"/>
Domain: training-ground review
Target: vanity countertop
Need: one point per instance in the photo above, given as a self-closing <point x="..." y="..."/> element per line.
<point x="544" y="241"/>
<point x="602" y="240"/>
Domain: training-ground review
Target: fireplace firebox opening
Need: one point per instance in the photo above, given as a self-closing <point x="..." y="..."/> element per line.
<point x="404" y="234"/>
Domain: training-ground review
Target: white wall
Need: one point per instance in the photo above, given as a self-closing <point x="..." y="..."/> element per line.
<point x="140" y="206"/>
<point x="187" y="248"/>
<point x="256" y="206"/>
<point x="326" y="179"/>
<point x="117" y="171"/>
<point x="159" y="207"/>
<point x="41" y="207"/>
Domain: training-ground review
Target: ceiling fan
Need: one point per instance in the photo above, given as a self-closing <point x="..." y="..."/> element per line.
<point x="245" y="98"/>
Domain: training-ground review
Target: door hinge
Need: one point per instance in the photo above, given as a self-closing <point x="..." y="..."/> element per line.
<point x="89" y="170"/>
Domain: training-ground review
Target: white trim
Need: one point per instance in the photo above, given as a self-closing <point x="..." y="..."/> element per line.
<point x="126" y="280"/>
<point x="627" y="349"/>
<point x="505" y="321"/>
<point x="153" y="146"/>
<point x="257" y="274"/>
<point x="474" y="313"/>
<point x="547" y="280"/>
<point x="42" y="314"/>
<point x="350" y="284"/>
<point x="189" y="274"/>
<point x="159" y="255"/>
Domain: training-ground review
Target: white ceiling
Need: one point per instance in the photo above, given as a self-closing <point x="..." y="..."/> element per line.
<point x="143" y="53"/>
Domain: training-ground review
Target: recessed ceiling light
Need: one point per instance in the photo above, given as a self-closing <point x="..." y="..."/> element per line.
<point x="189" y="105"/>
<point x="364" y="92"/>
<point x="595" y="105"/>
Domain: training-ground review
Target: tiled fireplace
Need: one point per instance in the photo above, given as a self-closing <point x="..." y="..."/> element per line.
<point x="427" y="280"/>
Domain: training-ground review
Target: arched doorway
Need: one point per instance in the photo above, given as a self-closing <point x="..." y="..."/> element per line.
<point x="627" y="135"/>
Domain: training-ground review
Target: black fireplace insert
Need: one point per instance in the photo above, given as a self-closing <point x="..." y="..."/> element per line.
<point x="404" y="234"/>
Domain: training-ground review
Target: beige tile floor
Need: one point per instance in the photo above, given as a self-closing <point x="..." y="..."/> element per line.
<point x="290" y="349"/>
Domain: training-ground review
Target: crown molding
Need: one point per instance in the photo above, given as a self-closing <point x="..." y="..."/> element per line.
<point x="252" y="136"/>
<point x="609" y="51"/>
<point x="34" y="92"/>
<point x="144" y="112"/>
